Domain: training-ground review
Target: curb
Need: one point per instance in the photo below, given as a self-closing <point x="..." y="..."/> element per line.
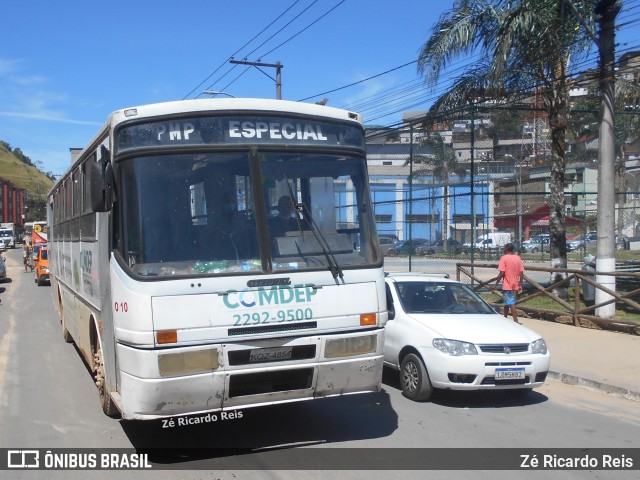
<point x="595" y="385"/>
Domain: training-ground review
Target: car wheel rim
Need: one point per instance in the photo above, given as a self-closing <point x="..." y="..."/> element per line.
<point x="410" y="377"/>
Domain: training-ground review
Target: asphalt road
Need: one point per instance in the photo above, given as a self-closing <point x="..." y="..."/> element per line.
<point x="48" y="401"/>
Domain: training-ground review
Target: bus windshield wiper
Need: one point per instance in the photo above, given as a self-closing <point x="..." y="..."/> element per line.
<point x="332" y="263"/>
<point x="296" y="211"/>
<point x="334" y="267"/>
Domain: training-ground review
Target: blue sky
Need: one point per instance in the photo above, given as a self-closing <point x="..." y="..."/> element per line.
<point x="64" y="66"/>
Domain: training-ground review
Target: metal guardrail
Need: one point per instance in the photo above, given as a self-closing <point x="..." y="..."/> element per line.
<point x="571" y="307"/>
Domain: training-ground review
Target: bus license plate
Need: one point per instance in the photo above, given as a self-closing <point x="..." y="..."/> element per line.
<point x="509" y="373"/>
<point x="270" y="354"/>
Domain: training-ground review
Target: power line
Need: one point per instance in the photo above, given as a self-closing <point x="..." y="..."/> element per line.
<point x="242" y="48"/>
<point x="305" y="28"/>
<point x="385" y="103"/>
<point x="359" y="82"/>
<point x="291" y="37"/>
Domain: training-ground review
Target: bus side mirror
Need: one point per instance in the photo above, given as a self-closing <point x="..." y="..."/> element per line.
<point x="391" y="309"/>
<point x="102" y="181"/>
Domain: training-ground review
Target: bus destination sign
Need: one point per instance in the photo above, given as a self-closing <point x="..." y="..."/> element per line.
<point x="237" y="130"/>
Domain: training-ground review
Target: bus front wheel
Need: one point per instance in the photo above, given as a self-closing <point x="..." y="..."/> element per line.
<point x="108" y="406"/>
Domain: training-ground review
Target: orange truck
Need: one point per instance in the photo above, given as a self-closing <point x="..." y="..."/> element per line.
<point x="41" y="267"/>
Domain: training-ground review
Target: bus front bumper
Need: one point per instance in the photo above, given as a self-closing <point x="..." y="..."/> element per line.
<point x="146" y="395"/>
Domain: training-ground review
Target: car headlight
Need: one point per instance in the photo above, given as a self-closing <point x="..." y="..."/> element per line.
<point x="454" y="347"/>
<point x="539" y="346"/>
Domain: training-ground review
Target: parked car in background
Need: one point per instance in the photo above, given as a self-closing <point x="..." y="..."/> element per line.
<point x="386" y="243"/>
<point x="588" y="240"/>
<point x="492" y="241"/>
<point x="8" y="235"/>
<point x="405" y="247"/>
<point x="453" y="247"/>
<point x="441" y="334"/>
<point x="539" y="243"/>
<point x="575" y="243"/>
<point x="489" y="242"/>
<point x="394" y="238"/>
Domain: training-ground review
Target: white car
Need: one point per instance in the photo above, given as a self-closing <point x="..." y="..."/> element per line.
<point x="440" y="334"/>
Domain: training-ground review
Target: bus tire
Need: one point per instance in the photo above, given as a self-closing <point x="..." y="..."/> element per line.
<point x="108" y="405"/>
<point x="66" y="336"/>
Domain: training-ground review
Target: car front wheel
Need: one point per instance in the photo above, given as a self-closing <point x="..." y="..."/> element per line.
<point x="414" y="379"/>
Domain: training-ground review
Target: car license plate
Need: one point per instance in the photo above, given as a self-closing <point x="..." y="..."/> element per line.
<point x="270" y="354"/>
<point x="509" y="373"/>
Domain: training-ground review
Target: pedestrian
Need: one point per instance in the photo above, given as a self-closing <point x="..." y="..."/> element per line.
<point x="511" y="272"/>
<point x="25" y="254"/>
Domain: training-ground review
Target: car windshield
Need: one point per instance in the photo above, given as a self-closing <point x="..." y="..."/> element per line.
<point x="440" y="297"/>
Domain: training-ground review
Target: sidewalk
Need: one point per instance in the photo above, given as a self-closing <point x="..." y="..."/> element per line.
<point x="600" y="359"/>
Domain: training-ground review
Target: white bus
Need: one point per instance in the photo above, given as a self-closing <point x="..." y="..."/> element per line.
<point x="169" y="273"/>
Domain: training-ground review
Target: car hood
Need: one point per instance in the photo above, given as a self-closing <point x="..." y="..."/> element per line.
<point x="476" y="328"/>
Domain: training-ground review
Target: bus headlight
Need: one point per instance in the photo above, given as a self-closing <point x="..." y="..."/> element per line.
<point x="181" y="363"/>
<point x="348" y="346"/>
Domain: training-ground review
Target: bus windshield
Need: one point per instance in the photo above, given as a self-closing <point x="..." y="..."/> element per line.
<point x="256" y="212"/>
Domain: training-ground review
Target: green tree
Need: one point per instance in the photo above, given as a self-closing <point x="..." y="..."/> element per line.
<point x="524" y="46"/>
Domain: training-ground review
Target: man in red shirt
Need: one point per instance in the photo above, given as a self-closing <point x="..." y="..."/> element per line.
<point x="512" y="275"/>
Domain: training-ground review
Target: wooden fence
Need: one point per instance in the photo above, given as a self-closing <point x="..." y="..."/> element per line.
<point x="566" y="289"/>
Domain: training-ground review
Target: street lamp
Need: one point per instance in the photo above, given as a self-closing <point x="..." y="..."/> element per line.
<point x="278" y="66"/>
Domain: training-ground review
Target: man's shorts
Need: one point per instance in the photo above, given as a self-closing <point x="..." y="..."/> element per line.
<point x="509" y="297"/>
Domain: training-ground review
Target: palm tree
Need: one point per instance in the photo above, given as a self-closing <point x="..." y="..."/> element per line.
<point x="526" y="46"/>
<point x="442" y="164"/>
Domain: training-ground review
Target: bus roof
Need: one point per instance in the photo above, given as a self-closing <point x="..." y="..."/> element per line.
<point x="233" y="105"/>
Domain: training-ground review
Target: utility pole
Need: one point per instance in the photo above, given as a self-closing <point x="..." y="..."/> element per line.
<point x="471" y="186"/>
<point x="606" y="12"/>
<point x="410" y="192"/>
<point x="278" y="66"/>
